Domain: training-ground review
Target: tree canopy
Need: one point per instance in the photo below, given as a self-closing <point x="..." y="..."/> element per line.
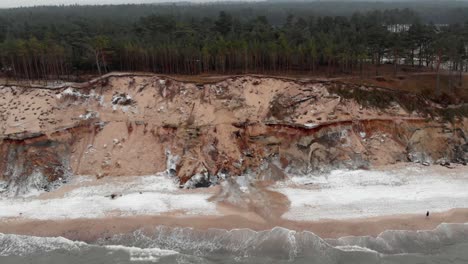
<point x="56" y="42"/>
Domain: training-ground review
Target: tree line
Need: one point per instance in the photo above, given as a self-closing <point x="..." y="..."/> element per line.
<point x="227" y="44"/>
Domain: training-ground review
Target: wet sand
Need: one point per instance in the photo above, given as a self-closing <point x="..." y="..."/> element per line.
<point x="91" y="229"/>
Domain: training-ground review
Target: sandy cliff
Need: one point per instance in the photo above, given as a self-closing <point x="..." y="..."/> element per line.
<point x="125" y="124"/>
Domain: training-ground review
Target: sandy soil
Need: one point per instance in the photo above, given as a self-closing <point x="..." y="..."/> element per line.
<point x="92" y="229"/>
<point x="189" y="120"/>
<point x="234" y="124"/>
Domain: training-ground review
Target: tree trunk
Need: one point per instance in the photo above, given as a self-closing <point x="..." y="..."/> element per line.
<point x="450" y="75"/>
<point x="396" y="63"/>
<point x="360" y="68"/>
<point x="460" y="73"/>
<point x="96" y="54"/>
<point x="439" y="59"/>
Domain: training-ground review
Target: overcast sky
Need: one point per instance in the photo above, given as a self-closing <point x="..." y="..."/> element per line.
<point x="18" y="3"/>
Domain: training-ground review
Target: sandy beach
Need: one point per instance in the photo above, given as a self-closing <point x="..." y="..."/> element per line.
<point x="338" y="204"/>
<point x="92" y="229"/>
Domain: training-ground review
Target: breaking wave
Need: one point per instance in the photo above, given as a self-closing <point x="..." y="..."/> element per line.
<point x="143" y="254"/>
<point x="445" y="244"/>
<point x="29" y="249"/>
<point x="26" y="245"/>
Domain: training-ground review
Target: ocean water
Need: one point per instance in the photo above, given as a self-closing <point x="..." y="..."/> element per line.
<point x="448" y="243"/>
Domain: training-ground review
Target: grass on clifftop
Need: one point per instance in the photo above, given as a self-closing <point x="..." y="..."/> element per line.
<point x="385" y="98"/>
<point x="450" y="114"/>
<point x="423" y="84"/>
<point x="381" y="98"/>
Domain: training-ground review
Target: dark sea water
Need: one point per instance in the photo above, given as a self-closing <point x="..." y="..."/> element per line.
<point x="446" y="244"/>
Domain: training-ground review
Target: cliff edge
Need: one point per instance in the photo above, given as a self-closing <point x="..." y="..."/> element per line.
<point x="140" y="124"/>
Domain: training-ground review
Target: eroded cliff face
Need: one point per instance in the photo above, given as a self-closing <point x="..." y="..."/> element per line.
<point x="139" y="125"/>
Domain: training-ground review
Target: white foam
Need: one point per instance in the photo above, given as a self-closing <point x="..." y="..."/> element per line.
<point x="143" y="254"/>
<point x="354" y="249"/>
<point x="23" y="245"/>
<point x="18" y="245"/>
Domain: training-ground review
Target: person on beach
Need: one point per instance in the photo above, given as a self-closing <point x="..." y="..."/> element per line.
<point x="427" y="214"/>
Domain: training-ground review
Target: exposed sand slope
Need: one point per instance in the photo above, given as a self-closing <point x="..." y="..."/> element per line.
<point x="124" y="124"/>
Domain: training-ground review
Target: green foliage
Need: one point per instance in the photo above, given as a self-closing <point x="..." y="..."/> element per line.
<point x="56" y="42"/>
<point x="367" y="98"/>
<point x="383" y="98"/>
<point x="450" y="113"/>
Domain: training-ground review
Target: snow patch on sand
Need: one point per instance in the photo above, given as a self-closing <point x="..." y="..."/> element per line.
<point x="358" y="194"/>
<point x="148" y="195"/>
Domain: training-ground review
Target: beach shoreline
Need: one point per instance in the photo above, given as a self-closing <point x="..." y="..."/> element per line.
<point x="338" y="204"/>
<point x="90" y="230"/>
